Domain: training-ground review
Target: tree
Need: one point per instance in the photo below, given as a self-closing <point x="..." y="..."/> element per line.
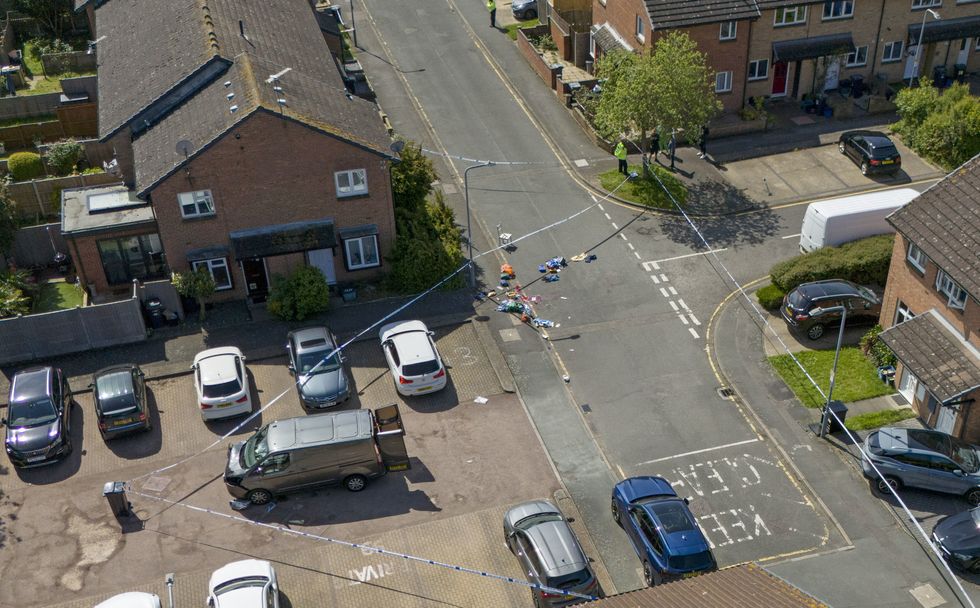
<point x="55" y="16"/>
<point x="8" y="222"/>
<point x="63" y="156"/>
<point x="411" y="179"/>
<point x="943" y="126"/>
<point x="197" y="284"/>
<point x="672" y="87"/>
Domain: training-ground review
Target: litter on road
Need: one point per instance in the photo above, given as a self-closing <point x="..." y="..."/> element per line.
<point x="481" y="400"/>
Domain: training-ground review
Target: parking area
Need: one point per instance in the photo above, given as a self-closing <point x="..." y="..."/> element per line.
<point x="469" y="462"/>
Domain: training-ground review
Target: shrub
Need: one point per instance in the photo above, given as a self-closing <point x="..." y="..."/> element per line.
<point x="48" y="46"/>
<point x="770" y="297"/>
<point x="428" y="247"/>
<point x="864" y="261"/>
<point x="197" y="284"/>
<point x="301" y="294"/>
<point x="943" y="126"/>
<point x="63" y="156"/>
<point x="411" y="178"/>
<point x="875" y="348"/>
<point x="25" y="165"/>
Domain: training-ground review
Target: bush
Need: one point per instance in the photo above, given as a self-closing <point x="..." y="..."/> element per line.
<point x="943" y="126"/>
<point x="875" y="348"/>
<point x="770" y="297"/>
<point x="428" y="247"/>
<point x="25" y="165"/>
<point x="300" y="295"/>
<point x="48" y="46"/>
<point x="864" y="261"/>
<point x="63" y="156"/>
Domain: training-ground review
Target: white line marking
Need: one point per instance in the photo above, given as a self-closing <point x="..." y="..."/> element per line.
<point x="673" y="305"/>
<point x="608" y="217"/>
<point x="681" y="257"/>
<point x="683" y="304"/>
<point x="791" y="236"/>
<point x="683" y="319"/>
<point x="601" y="208"/>
<point x="614" y="225"/>
<point x="673" y="291"/>
<point x="624" y="236"/>
<point x="664" y="292"/>
<point x="663" y="277"/>
<point x="637" y="255"/>
<point x="717" y="447"/>
<point x="693" y="318"/>
<point x="656" y="281"/>
<point x="630" y="245"/>
<point x="693" y="333"/>
<point x="581" y="162"/>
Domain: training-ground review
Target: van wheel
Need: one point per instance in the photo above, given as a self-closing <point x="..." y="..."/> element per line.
<point x="815" y="331"/>
<point x="260" y="497"/>
<point x="973" y="497"/>
<point x="355" y="483"/>
<point x="883" y="484"/>
<point x="864" y="168"/>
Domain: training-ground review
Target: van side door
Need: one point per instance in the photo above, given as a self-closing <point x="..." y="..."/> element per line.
<point x="275" y="473"/>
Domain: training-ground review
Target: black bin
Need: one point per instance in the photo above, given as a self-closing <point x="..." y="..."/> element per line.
<point x="348" y="292"/>
<point x="939" y="75"/>
<point x="839" y="411"/>
<point x="115" y="494"/>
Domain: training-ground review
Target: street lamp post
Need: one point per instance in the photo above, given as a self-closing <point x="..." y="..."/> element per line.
<point x="816" y="312"/>
<point x="469" y="232"/>
<point x="918" y="47"/>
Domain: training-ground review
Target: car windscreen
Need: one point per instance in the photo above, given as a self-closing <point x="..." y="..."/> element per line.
<point x="673" y="517"/>
<point x="255" y="449"/>
<point x="421" y="368"/>
<point x="240" y="583"/>
<point x="964" y="455"/>
<point x="694" y="561"/>
<point x="222" y="389"/>
<point x="538" y="518"/>
<point x="308" y="361"/>
<point x="31" y="413"/>
<point x="115" y="394"/>
<point x="885" y="152"/>
<point x="797" y="299"/>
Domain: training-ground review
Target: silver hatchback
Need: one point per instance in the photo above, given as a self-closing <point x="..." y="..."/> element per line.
<point x="924" y="459"/>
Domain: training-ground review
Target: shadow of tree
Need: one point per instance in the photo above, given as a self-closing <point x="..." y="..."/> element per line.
<point x="724" y="231"/>
<point x="718" y="197"/>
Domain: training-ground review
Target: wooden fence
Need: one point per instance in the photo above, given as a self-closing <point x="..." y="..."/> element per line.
<point x="41" y="198"/>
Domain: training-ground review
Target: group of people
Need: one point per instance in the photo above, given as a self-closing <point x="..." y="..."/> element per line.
<point x="654" y="151"/>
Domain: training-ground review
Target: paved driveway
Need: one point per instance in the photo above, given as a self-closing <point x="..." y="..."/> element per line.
<point x="469" y="462"/>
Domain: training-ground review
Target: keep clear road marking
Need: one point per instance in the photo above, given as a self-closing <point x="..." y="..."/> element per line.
<point x="655" y="263"/>
<point x="692" y="453"/>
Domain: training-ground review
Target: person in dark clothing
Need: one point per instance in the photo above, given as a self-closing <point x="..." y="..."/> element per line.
<point x="703" y="142"/>
<point x="655" y="145"/>
<point x="672" y="147"/>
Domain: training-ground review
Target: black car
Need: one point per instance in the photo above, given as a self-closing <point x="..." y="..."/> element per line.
<point x="863" y="306"/>
<point x="38" y="417"/>
<point x="958" y="537"/>
<point x="871" y="150"/>
<point x="120" y="400"/>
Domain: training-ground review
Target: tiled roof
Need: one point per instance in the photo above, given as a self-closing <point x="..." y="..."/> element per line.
<point x="206" y="117"/>
<point x="768" y="4"/>
<point x="608" y="39"/>
<point x="944" y="222"/>
<point x="666" y="14"/>
<point x="936" y="354"/>
<point x="747" y="586"/>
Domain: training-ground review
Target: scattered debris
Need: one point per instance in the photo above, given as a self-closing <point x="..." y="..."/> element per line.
<point x="542" y="323"/>
<point x="551" y="278"/>
<point x="481" y="400"/>
<point x="239" y="505"/>
<point x="566" y="378"/>
<point x="591" y="258"/>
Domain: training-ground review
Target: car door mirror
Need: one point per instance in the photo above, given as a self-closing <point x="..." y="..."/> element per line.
<point x="244" y="357"/>
<point x="959" y="472"/>
<point x="687" y="500"/>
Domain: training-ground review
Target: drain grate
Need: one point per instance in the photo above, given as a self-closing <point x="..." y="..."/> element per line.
<point x="725" y="393"/>
<point x="586" y="408"/>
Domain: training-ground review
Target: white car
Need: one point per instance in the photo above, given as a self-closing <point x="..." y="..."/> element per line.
<point x="221" y="383"/>
<point x="412" y="357"/>
<point x="132" y="599"/>
<point x="250" y="583"/>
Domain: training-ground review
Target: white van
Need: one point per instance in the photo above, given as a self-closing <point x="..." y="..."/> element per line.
<point x="836" y="221"/>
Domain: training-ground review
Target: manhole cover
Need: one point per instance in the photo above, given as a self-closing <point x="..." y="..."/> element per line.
<point x="586" y="408"/>
<point x="725" y="393"/>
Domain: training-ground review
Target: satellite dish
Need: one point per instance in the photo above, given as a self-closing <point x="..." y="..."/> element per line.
<point x="397" y="146"/>
<point x="184" y="147"/>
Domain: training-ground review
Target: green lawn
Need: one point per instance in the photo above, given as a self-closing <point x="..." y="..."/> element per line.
<point x="57" y="296"/>
<point x="873" y="420"/>
<point x="857" y="378"/>
<point x="645" y="191"/>
<point x="50" y="84"/>
<point x="520" y="25"/>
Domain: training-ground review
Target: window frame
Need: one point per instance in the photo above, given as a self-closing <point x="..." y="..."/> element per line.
<point x="362" y="266"/>
<point x="857" y="54"/>
<point x="209" y="264"/>
<point x="209" y="198"/>
<point x="887" y="57"/>
<point x="950" y="288"/>
<point x="732" y="35"/>
<point x="903" y="313"/>
<point x="919" y="5"/>
<point x="153" y="261"/>
<point x="639" y="29"/>
<point x="763" y="76"/>
<point x="350" y="188"/>
<point x="729" y="77"/>
<point x="833" y="3"/>
<point x="784" y="10"/>
<point x="918" y="262"/>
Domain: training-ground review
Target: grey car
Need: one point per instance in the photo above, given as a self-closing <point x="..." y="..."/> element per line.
<point x="524" y="9"/>
<point x="541" y="539"/>
<point x="924" y="459"/>
<point x="38" y="417"/>
<point x="320" y="381"/>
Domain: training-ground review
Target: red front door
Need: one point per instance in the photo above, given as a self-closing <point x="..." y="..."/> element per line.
<point x="779" y="70"/>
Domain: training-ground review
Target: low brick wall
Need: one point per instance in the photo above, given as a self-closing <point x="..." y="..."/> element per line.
<point x="547" y="73"/>
<point x="737" y="128"/>
<point x="561" y="33"/>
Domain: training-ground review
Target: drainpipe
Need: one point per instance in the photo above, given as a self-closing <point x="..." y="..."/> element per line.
<point x="745" y="72"/>
<point x="874" y="58"/>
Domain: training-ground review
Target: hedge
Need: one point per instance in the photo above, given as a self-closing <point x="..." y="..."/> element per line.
<point x="770" y="297"/>
<point x="25" y="165"/>
<point x="864" y="261"/>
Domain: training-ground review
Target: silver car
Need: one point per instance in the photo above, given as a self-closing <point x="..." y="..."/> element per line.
<point x="924" y="459"/>
<point x="541" y="539"/>
<point x="320" y="377"/>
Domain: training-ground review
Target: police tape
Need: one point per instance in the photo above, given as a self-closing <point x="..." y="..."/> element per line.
<point x="492" y="162"/>
<point x="375" y="550"/>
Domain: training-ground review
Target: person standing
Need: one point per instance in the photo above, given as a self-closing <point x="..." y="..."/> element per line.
<point x="655" y="144"/>
<point x="492" y="8"/>
<point x="620" y="153"/>
<point x="672" y="147"/>
<point x="703" y="142"/>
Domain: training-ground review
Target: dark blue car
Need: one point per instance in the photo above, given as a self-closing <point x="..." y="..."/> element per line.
<point x="664" y="534"/>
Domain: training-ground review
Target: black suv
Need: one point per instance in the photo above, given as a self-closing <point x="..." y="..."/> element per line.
<point x="863" y="306"/>
<point x="870" y="150"/>
<point x="38" y="417"/>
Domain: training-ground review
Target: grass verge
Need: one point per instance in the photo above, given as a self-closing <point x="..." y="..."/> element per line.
<point x="520" y="25"/>
<point x="645" y="190"/>
<point x="857" y="378"/>
<point x="57" y="296"/>
<point x="873" y="420"/>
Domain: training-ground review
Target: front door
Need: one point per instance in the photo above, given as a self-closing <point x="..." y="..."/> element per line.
<point x="907" y="384"/>
<point x="323" y="259"/>
<point x="964" y="51"/>
<point x="779" y="71"/>
<point x="256" y="280"/>
<point x="911" y="67"/>
<point x="833" y="74"/>
<point x="946" y="420"/>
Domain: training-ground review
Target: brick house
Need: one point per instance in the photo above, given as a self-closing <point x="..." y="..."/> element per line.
<point x="931" y="307"/>
<point x="232" y="121"/>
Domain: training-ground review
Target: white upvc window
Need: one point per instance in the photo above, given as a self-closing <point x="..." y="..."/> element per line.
<point x="838" y="9"/>
<point x="723" y="82"/>
<point x="351" y="183"/>
<point x="892" y="52"/>
<point x="362" y="252"/>
<point x="790" y="15"/>
<point x="948" y="287"/>
<point x="759" y="69"/>
<point x="916" y="4"/>
<point x="196" y="204"/>
<point x="218" y="268"/>
<point x="728" y="30"/>
<point x="917" y="257"/>
<point x="858" y="57"/>
<point x="902" y="313"/>
<point x="639" y="28"/>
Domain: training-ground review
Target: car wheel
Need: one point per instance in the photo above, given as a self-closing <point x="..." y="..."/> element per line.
<point x="973" y="497"/>
<point x="883" y="484"/>
<point x="531" y="14"/>
<point x="815" y="331"/>
<point x="651" y="576"/>
<point x="864" y="168"/>
<point x="840" y="147"/>
<point x="260" y="497"/>
<point x="355" y="483"/>
<point x="615" y="512"/>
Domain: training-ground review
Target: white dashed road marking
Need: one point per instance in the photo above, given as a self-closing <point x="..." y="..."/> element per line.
<point x="656" y="281"/>
<point x="693" y="333"/>
<point x="673" y="291"/>
<point x="664" y="292"/>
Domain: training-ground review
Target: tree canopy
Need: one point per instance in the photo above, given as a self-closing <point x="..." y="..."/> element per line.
<point x="53" y="15"/>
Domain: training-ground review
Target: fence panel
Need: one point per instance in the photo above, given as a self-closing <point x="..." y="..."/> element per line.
<point x="24" y="106"/>
<point x="43" y="197"/>
<point x="74" y="61"/>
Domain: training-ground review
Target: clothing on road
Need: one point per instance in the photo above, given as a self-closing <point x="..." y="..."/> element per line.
<point x="492" y="8"/>
<point x="620" y="153"/>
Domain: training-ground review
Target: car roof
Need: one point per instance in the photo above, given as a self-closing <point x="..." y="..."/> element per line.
<point x="829" y="288"/>
<point x="217" y="364"/>
<point x="30" y="384"/>
<point x="320" y="429"/>
<point x="319" y="336"/>
<point x="411" y="340"/>
<point x="112" y="382"/>
<point x="865" y="134"/>
<point x="527" y="509"/>
<point x="647" y="486"/>
<point x="900" y="439"/>
<point x="557" y="548"/>
<point x="131" y="599"/>
<point x="241" y="569"/>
